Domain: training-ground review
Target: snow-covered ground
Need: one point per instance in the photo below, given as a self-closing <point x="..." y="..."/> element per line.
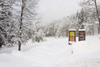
<point x="54" y="53"/>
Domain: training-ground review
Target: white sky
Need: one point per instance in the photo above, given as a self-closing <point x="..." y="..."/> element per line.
<point x="57" y="9"/>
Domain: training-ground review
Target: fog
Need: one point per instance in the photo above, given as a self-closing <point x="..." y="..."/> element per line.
<point x="57" y="9"/>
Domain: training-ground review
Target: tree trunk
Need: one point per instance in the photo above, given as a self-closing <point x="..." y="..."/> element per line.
<point x="19" y="48"/>
<point x="99" y="27"/>
<point x="97" y="15"/>
<point x="96" y="9"/>
<point x="99" y="30"/>
<point x="21" y="23"/>
<point x="99" y="21"/>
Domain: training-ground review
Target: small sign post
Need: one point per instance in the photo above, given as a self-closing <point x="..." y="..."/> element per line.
<point x="72" y="36"/>
<point x="82" y="34"/>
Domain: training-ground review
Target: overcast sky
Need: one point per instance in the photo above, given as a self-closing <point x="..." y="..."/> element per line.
<point x="57" y="9"/>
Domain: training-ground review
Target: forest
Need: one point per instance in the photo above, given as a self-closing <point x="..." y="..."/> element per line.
<point x="19" y="22"/>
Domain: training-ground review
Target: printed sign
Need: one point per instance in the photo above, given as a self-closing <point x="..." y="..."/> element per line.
<point x="72" y="36"/>
<point x="81" y="35"/>
<point x="72" y="33"/>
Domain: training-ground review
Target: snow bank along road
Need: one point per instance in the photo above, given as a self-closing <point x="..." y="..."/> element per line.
<point x="54" y="53"/>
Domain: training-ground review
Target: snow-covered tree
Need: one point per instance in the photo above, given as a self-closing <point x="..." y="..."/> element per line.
<point x="5" y="21"/>
<point x="26" y="20"/>
<point x="16" y="21"/>
<point x="93" y="7"/>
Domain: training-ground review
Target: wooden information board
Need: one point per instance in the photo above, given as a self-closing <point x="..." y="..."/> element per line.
<point x="81" y="35"/>
<point x="72" y="35"/>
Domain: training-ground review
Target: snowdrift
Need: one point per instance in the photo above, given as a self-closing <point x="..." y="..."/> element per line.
<point x="86" y="47"/>
<point x="54" y="53"/>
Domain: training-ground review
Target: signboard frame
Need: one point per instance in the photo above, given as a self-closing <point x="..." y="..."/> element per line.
<point x="74" y="35"/>
<point x="81" y="36"/>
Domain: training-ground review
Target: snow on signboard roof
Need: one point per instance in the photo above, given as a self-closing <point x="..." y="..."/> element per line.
<point x="82" y="29"/>
<point x="72" y="29"/>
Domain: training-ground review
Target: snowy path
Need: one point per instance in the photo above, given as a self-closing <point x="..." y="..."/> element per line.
<point x="54" y="53"/>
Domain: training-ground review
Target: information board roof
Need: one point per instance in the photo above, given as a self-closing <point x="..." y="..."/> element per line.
<point x="72" y="29"/>
<point x="82" y="29"/>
